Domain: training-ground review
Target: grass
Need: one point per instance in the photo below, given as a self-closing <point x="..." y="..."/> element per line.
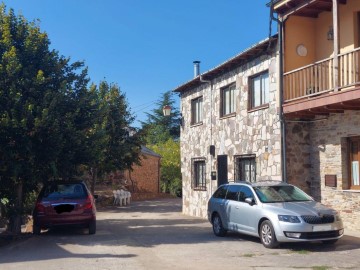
<point x="249" y="255"/>
<point x="301" y="251"/>
<point x="321" y="267"/>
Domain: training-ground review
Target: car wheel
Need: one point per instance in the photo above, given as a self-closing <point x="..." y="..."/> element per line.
<point x="218" y="226"/>
<point x="330" y="242"/>
<point x="267" y="235"/>
<point x="36" y="229"/>
<point x="92" y="227"/>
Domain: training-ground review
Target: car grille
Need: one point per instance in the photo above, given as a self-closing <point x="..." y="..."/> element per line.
<point x="318" y="220"/>
<point x="319" y="235"/>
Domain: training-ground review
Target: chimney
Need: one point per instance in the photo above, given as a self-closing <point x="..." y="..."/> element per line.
<point x="196" y="68"/>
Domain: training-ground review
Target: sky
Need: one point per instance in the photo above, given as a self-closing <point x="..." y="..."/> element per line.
<point x="147" y="47"/>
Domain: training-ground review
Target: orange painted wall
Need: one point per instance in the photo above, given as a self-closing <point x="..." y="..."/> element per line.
<point x="347" y="25"/>
<point x="312" y="32"/>
<point x="299" y="30"/>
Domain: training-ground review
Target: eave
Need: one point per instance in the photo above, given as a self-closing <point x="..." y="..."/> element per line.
<point x="239" y="60"/>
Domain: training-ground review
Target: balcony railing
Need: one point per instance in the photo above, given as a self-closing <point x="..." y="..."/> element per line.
<point x="318" y="78"/>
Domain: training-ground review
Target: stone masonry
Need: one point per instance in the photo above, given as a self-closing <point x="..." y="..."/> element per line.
<point x="320" y="148"/>
<point x="244" y="132"/>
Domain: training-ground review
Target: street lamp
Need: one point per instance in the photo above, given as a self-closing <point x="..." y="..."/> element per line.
<point x="166" y="110"/>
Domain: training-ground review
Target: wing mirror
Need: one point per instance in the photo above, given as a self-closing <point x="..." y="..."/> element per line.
<point x="250" y="201"/>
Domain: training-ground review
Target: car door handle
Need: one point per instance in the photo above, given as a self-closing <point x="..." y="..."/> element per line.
<point x="237" y="207"/>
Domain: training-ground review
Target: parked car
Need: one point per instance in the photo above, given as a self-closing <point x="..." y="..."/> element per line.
<point x="274" y="211"/>
<point x="64" y="203"/>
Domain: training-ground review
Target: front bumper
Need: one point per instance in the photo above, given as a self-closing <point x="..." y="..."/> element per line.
<point x="300" y="232"/>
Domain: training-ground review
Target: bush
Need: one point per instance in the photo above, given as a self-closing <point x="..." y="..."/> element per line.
<point x="175" y="187"/>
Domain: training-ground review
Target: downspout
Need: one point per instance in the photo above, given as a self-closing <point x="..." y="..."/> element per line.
<point x="211" y="111"/>
<point x="198" y="74"/>
<point x="281" y="93"/>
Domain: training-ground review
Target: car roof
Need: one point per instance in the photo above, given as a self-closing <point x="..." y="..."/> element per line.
<point x="260" y="183"/>
<point x="66" y="182"/>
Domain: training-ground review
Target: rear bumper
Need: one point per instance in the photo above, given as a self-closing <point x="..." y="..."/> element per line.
<point x="46" y="222"/>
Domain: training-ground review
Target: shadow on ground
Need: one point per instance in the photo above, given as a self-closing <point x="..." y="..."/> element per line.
<point x="145" y="224"/>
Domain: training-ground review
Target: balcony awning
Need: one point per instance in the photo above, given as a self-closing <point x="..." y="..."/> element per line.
<point x="305" y="8"/>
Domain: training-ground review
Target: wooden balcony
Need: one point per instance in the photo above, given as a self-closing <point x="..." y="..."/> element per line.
<point x="313" y="89"/>
<point x="318" y="78"/>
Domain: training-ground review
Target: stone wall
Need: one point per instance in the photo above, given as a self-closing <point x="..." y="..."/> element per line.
<point x="245" y="132"/>
<point x="324" y="144"/>
<point x="298" y="155"/>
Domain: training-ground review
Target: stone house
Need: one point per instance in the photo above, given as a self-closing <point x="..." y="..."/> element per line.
<point x="230" y="125"/>
<point x="321" y="92"/>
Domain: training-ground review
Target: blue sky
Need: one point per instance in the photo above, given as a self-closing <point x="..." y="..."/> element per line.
<point x="147" y="46"/>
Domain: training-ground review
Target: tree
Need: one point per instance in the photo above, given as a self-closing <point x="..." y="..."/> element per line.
<point x="113" y="143"/>
<point x="41" y="122"/>
<point x="161" y="134"/>
<point x="159" y="128"/>
<point x="170" y="166"/>
<point x="51" y="124"/>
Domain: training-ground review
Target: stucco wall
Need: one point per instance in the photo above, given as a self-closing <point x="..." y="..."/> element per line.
<point x="255" y="132"/>
<point x="312" y="32"/>
<point x="323" y="150"/>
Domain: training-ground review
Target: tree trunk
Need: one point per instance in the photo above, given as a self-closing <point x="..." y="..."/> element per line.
<point x="132" y="182"/>
<point x="93" y="172"/>
<point x="15" y="218"/>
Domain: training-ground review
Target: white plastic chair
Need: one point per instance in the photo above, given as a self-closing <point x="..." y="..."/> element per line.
<point x="116" y="197"/>
<point x="128" y="197"/>
<point x="120" y="196"/>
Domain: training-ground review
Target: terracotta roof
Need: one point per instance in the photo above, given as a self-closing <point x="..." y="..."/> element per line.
<point x="236" y="61"/>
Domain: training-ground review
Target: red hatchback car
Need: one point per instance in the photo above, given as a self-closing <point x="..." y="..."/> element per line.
<point x="64" y="203"/>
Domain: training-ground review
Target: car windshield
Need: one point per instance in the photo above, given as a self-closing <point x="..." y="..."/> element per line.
<point x="69" y="191"/>
<point x="281" y="193"/>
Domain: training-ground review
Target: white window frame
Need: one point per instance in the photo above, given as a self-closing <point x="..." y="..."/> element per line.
<point x="259" y="90"/>
<point x="197" y="110"/>
<point x="228" y="100"/>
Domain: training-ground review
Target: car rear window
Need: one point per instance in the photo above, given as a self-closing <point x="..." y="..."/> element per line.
<point x="71" y="191"/>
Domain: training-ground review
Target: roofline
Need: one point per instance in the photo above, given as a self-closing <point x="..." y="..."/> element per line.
<point x="149" y="152"/>
<point x="239" y="59"/>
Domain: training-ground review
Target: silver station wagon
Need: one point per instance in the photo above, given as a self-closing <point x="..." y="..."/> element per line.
<point x="274" y="211"/>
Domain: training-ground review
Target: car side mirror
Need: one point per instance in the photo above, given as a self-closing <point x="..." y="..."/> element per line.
<point x="250" y="201"/>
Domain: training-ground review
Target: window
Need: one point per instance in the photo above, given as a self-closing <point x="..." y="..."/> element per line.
<point x="233" y="192"/>
<point x="198" y="174"/>
<point x="196" y="110"/>
<point x="259" y="90"/>
<point x="220" y="193"/>
<point x="245" y="168"/>
<point x="227" y="100"/>
<point x="245" y="192"/>
<point x="354" y="181"/>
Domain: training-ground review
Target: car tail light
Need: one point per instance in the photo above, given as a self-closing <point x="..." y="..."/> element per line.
<point x="40" y="208"/>
<point x="88" y="203"/>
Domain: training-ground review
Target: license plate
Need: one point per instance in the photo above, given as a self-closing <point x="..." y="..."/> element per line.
<point x="321" y="228"/>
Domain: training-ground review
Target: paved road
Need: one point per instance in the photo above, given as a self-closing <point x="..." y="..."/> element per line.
<point x="155" y="235"/>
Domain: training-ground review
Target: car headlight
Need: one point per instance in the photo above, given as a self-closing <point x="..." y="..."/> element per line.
<point x="287" y="218"/>
<point x="337" y="217"/>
